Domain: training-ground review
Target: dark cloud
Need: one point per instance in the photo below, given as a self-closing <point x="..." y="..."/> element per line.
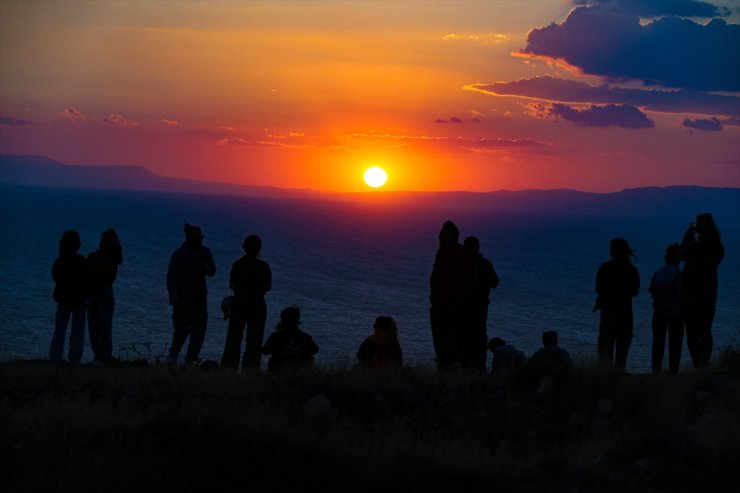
<point x="656" y="8"/>
<point x="454" y="119"/>
<point x="14" y="122"/>
<point x="669" y="51"/>
<point x="704" y="124"/>
<point x="569" y="91"/>
<point x="611" y="115"/>
<point x="733" y="121"/>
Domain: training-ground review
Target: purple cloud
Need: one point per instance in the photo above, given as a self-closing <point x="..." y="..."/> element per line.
<point x="118" y="120"/>
<point x="73" y="114"/>
<point x="569" y="91"/>
<point x="611" y="115"/>
<point x="14" y="122"/>
<point x="454" y="119"/>
<point x="734" y="121"/>
<point x="656" y="8"/>
<point x="704" y="124"/>
<point x="668" y="51"/>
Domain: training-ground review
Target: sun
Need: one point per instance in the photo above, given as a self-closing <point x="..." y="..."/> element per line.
<point x="375" y="177"/>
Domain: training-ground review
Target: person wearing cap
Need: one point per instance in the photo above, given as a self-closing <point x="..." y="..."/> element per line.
<point x="250" y="280"/>
<point x="186" y="285"/>
<point x="289" y="346"/>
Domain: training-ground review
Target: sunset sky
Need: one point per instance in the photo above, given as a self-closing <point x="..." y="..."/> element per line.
<point x="595" y="95"/>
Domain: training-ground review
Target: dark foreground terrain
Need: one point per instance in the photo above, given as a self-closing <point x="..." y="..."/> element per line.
<point x="142" y="427"/>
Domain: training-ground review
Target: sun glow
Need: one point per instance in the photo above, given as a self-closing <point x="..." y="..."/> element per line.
<point x="375" y="177"/>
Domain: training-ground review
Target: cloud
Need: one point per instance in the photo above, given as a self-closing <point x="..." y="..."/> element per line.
<point x="73" y="114"/>
<point x="485" y="38"/>
<point x="171" y="123"/>
<point x="734" y="121"/>
<point x="454" y="119"/>
<point x="569" y="91"/>
<point x="118" y="120"/>
<point x="240" y="141"/>
<point x="457" y="144"/>
<point x="703" y="124"/>
<point x="611" y="115"/>
<point x="669" y="51"/>
<point x="656" y="8"/>
<point x="14" y="122"/>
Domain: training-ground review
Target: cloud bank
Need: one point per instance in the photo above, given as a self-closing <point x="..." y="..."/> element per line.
<point x="14" y="122"/>
<point x="656" y="8"/>
<point x="704" y="124"/>
<point x="669" y="51"/>
<point x="611" y="115"/>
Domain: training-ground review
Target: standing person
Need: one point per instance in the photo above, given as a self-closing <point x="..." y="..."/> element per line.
<point x="617" y="282"/>
<point x="475" y="334"/>
<point x="250" y="279"/>
<point x="702" y="251"/>
<point x="70" y="275"/>
<point x="103" y="264"/>
<point x="665" y="288"/>
<point x="289" y="346"/>
<point x="449" y="284"/>
<point x="381" y="351"/>
<point x="186" y="284"/>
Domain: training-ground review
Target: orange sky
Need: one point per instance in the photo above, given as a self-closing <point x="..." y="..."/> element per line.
<point x="309" y="94"/>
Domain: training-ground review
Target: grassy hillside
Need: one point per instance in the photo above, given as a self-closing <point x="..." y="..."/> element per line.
<point x="134" y="427"/>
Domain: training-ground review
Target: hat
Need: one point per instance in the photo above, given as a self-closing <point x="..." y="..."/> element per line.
<point x="193" y="232"/>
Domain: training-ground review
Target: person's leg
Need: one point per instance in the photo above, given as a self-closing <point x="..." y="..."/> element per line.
<point x="607" y="335"/>
<point x="623" y="342"/>
<point x="659" y="325"/>
<point x="255" y="334"/>
<point x="692" y="334"/>
<point x="77" y="333"/>
<point x="93" y="326"/>
<point x="198" y="326"/>
<point x="479" y="340"/>
<point x="675" y="342"/>
<point x="181" y="324"/>
<point x="107" y="306"/>
<point x="704" y="329"/>
<point x="232" y="348"/>
<point x="61" y="319"/>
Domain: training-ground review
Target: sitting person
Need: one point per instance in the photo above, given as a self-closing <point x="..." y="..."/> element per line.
<point x="381" y="351"/>
<point x="288" y="346"/>
<point x="505" y="357"/>
<point x="549" y="361"/>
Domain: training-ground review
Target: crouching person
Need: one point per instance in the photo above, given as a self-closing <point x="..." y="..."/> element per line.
<point x="381" y="352"/>
<point x="289" y="346"/>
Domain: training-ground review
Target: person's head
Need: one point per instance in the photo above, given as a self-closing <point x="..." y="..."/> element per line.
<point x="290" y="317"/>
<point x="671" y="254"/>
<point x="108" y="238"/>
<point x="620" y="250"/>
<point x="252" y="245"/>
<point x="385" y="324"/>
<point x="706" y="228"/>
<point x="549" y="338"/>
<point x="449" y="234"/>
<point x="69" y="243"/>
<point x="495" y="343"/>
<point x="473" y="244"/>
<point x="193" y="235"/>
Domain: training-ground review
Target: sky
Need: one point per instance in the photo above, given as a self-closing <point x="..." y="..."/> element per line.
<point x="593" y="95"/>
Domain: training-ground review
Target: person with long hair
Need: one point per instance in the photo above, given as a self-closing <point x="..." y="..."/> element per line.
<point x="617" y="282"/>
<point x="701" y="251"/>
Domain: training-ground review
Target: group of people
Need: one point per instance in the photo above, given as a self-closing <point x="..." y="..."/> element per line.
<point x="681" y="299"/>
<point x="460" y="286"/>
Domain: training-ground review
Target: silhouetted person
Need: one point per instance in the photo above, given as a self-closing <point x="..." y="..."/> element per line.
<point x="288" y="346"/>
<point x="70" y="275"/>
<point x="702" y="251"/>
<point x="103" y="264"/>
<point x="186" y="284"/>
<point x="550" y="360"/>
<point x="250" y="279"/>
<point x="617" y="282"/>
<point x="506" y="358"/>
<point x="474" y="336"/>
<point x="665" y="288"/>
<point x="381" y="351"/>
<point x="449" y="285"/>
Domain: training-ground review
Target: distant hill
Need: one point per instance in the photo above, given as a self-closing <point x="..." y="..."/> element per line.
<point x="681" y="201"/>
<point x="45" y="172"/>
